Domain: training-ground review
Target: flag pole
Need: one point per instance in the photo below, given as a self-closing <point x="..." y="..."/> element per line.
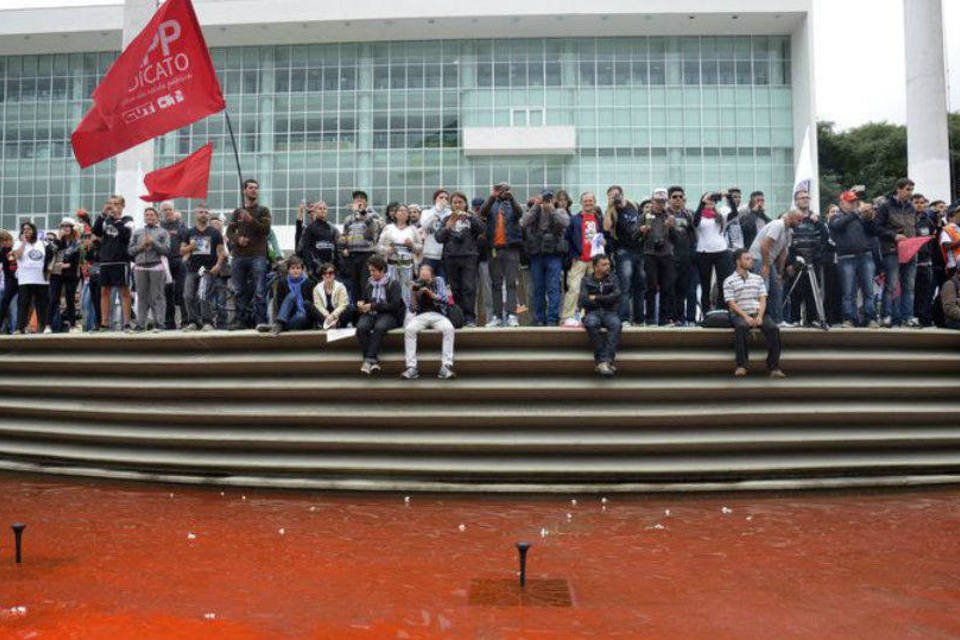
<point x="236" y="154"/>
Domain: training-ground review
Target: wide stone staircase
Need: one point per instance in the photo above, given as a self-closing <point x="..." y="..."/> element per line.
<point x="527" y="413"/>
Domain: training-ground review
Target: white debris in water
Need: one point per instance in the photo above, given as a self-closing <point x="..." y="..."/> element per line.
<point x="191" y="536"/>
<point x="603" y="501"/>
<point x="406" y="499"/>
<point x="543" y="532"/>
<point x="281" y="531"/>
<point x="726" y="510"/>
<point x="462" y="527"/>
<point x="243" y="497"/>
<point x="171" y="495"/>
<point x="313" y="509"/>
<point x="209" y="616"/>
<point x="569" y="516"/>
<point x="749" y="518"/>
<point x="666" y="512"/>
<point x="658" y="527"/>
<point x="222" y="494"/>
<point x="574" y="502"/>
<point x="17" y="611"/>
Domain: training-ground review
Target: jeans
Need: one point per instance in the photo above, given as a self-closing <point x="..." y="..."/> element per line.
<point x="604" y="345"/>
<point x="89" y="303"/>
<point x="371" y="328"/>
<point x="292" y="318"/>
<point x="485" y="289"/>
<point x="771" y="333"/>
<point x="632" y="284"/>
<point x="218" y="297"/>
<point x="774" y="292"/>
<point x="67" y="287"/>
<point x="898" y="307"/>
<point x="8" y="306"/>
<point x="857" y="272"/>
<point x="545" y="300"/>
<point x="462" y="277"/>
<point x="683" y="284"/>
<point x="199" y="309"/>
<point x="504" y="270"/>
<point x="428" y="320"/>
<point x="249" y="274"/>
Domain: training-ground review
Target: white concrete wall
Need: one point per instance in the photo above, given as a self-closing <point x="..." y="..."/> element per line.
<point x="510" y="141"/>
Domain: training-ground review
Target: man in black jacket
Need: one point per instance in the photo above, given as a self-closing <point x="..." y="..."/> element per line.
<point x="114" y="232"/>
<point x="460" y="236"/>
<point x="852" y="231"/>
<point x="808" y="247"/>
<point x="544" y="236"/>
<point x="684" y="259"/>
<point x="897" y="221"/>
<point x="379" y="309"/>
<point x="319" y="241"/>
<point x="599" y="298"/>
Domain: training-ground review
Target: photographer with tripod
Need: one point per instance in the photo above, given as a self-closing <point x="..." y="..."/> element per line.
<point x="805" y="260"/>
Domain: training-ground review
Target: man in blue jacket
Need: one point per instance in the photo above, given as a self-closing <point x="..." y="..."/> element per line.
<point x="852" y="232"/>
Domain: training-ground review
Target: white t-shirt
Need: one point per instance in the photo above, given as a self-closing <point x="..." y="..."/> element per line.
<point x="430" y="222"/>
<point x="779" y="233"/>
<point x="709" y="236"/>
<point x="30" y="264"/>
<point x="395" y="238"/>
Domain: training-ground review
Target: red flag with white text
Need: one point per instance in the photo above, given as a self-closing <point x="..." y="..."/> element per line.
<point x="185" y="179"/>
<point x="162" y="81"/>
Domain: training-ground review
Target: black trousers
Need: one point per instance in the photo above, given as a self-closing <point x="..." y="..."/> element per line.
<point x="173" y="293"/>
<point x="771" y="333"/>
<point x="681" y="288"/>
<point x="832" y="293"/>
<point x="462" y="277"/>
<point x="370" y="331"/>
<point x="923" y="295"/>
<point x="37" y="296"/>
<point x="707" y="263"/>
<point x="355" y="271"/>
<point x="68" y="287"/>
<point x="661" y="278"/>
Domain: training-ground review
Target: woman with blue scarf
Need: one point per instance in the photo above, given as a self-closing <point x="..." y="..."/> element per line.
<point x="295" y="293"/>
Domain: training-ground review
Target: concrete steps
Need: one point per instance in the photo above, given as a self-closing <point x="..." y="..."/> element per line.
<point x="526" y="414"/>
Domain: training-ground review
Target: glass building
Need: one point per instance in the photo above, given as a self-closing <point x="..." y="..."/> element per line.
<point x="316" y="121"/>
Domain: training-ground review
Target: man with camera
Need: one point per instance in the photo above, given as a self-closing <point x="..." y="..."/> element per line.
<point x="359" y="239"/>
<point x="599" y="298"/>
<point x="809" y="247"/>
<point x="659" y="235"/>
<point x="114" y="231"/>
<point x="501" y="213"/>
<point x="769" y="251"/>
<point x="622" y="221"/>
<point x="746" y="295"/>
<point x="684" y="258"/>
<point x="853" y="230"/>
<point x="544" y="235"/>
<point x="428" y="304"/>
<point x="247" y="233"/>
<point x="460" y="237"/>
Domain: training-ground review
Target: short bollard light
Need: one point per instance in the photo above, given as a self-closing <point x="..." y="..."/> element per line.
<point x="18" y="528"/>
<point x="523" y="547"/>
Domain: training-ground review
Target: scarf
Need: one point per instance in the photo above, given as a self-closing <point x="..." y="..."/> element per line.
<point x="296" y="286"/>
<point x="710" y="214"/>
<point x="378" y="289"/>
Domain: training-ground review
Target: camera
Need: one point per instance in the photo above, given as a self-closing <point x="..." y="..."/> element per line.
<point x="618" y="200"/>
<point x="418" y="285"/>
<point x="716" y="196"/>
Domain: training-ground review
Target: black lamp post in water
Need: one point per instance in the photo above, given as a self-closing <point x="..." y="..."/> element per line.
<point x="18" y="528"/>
<point x="523" y="547"/>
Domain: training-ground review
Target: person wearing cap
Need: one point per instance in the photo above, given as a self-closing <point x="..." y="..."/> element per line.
<point x="501" y="213"/>
<point x="544" y="236"/>
<point x="361" y="232"/>
<point x="852" y="230"/>
<point x="925" y="287"/>
<point x="64" y="277"/>
<point x="659" y="237"/>
<point x="431" y="222"/>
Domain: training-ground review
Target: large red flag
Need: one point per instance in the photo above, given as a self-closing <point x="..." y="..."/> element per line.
<point x="908" y="248"/>
<point x="185" y="179"/>
<point x="162" y="81"/>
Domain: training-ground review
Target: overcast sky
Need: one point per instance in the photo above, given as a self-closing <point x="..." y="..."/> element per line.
<point x="859" y="57"/>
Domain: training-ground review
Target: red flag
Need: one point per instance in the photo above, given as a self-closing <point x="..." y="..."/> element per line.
<point x="185" y="179"/>
<point x="162" y="81"/>
<point x="908" y="248"/>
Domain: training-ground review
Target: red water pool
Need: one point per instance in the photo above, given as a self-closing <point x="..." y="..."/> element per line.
<point x="141" y="561"/>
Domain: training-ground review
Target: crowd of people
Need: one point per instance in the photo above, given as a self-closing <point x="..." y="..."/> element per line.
<point x="716" y="261"/>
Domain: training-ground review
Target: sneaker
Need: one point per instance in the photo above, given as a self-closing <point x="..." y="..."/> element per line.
<point x="571" y="322"/>
<point x="76" y="329"/>
<point x="191" y="327"/>
<point x="626" y="324"/>
<point x="786" y="325"/>
<point x="47" y="330"/>
<point x="740" y="372"/>
<point x="847" y="325"/>
<point x="446" y="373"/>
<point x="913" y="323"/>
<point x="887" y="322"/>
<point x="276" y="329"/>
<point x="17" y="332"/>
<point x="493" y="322"/>
<point x="777" y="373"/>
<point x="207" y="327"/>
<point x="410" y="373"/>
<point x="512" y="321"/>
<point x="604" y="370"/>
<point x="366" y="368"/>
<point x="873" y="324"/>
<point x="375" y="367"/>
<point x="470" y="325"/>
<point x="263" y="327"/>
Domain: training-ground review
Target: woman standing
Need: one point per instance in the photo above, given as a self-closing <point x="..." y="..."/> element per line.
<point x="32" y="257"/>
<point x="64" y="276"/>
<point x="399" y="244"/>
<point x="713" y="254"/>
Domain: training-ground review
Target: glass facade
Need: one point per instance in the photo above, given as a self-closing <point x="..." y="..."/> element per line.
<point x="317" y="121"/>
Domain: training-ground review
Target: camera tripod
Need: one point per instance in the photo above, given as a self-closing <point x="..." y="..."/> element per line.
<point x="805" y="269"/>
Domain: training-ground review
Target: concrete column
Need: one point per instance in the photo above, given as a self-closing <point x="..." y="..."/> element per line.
<point x="132" y="163"/>
<point x="365" y="122"/>
<point x="927" y="145"/>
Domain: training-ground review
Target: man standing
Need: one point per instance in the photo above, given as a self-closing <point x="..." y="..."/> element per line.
<point x="360" y="235"/>
<point x="658" y="242"/>
<point x="114" y="233"/>
<point x="924" y="287"/>
<point x="623" y="222"/>
<point x="897" y="221"/>
<point x="501" y="213"/>
<point x="428" y="304"/>
<point x="599" y="298"/>
<point x="319" y="242"/>
<point x="809" y="247"/>
<point x="746" y="297"/>
<point x="544" y="230"/>
<point x="582" y="233"/>
<point x="206" y="257"/>
<point x="247" y="232"/>
<point x="684" y="259"/>
<point x="148" y="246"/>
<point x="769" y="251"/>
<point x="173" y="292"/>
<point x="853" y="232"/>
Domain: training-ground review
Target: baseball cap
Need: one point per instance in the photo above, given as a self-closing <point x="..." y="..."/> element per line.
<point x="849" y="196"/>
<point x="477" y="202"/>
<point x="546" y="193"/>
<point x="660" y="193"/>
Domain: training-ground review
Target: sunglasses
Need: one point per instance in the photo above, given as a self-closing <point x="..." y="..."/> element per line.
<point x="329" y="273"/>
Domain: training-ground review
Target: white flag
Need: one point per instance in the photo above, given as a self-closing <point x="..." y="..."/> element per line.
<point x="803" y="175"/>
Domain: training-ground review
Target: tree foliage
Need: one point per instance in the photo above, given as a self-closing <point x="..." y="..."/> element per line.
<point x="874" y="155"/>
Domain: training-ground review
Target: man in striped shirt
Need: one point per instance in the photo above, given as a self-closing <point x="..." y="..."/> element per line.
<point x="746" y="295"/>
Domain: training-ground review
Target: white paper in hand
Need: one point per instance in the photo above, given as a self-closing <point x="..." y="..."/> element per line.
<point x="339" y="334"/>
<point x="596" y="246"/>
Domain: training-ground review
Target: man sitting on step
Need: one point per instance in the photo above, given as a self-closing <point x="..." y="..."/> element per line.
<point x="746" y="296"/>
<point x="428" y="304"/>
<point x="599" y="299"/>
